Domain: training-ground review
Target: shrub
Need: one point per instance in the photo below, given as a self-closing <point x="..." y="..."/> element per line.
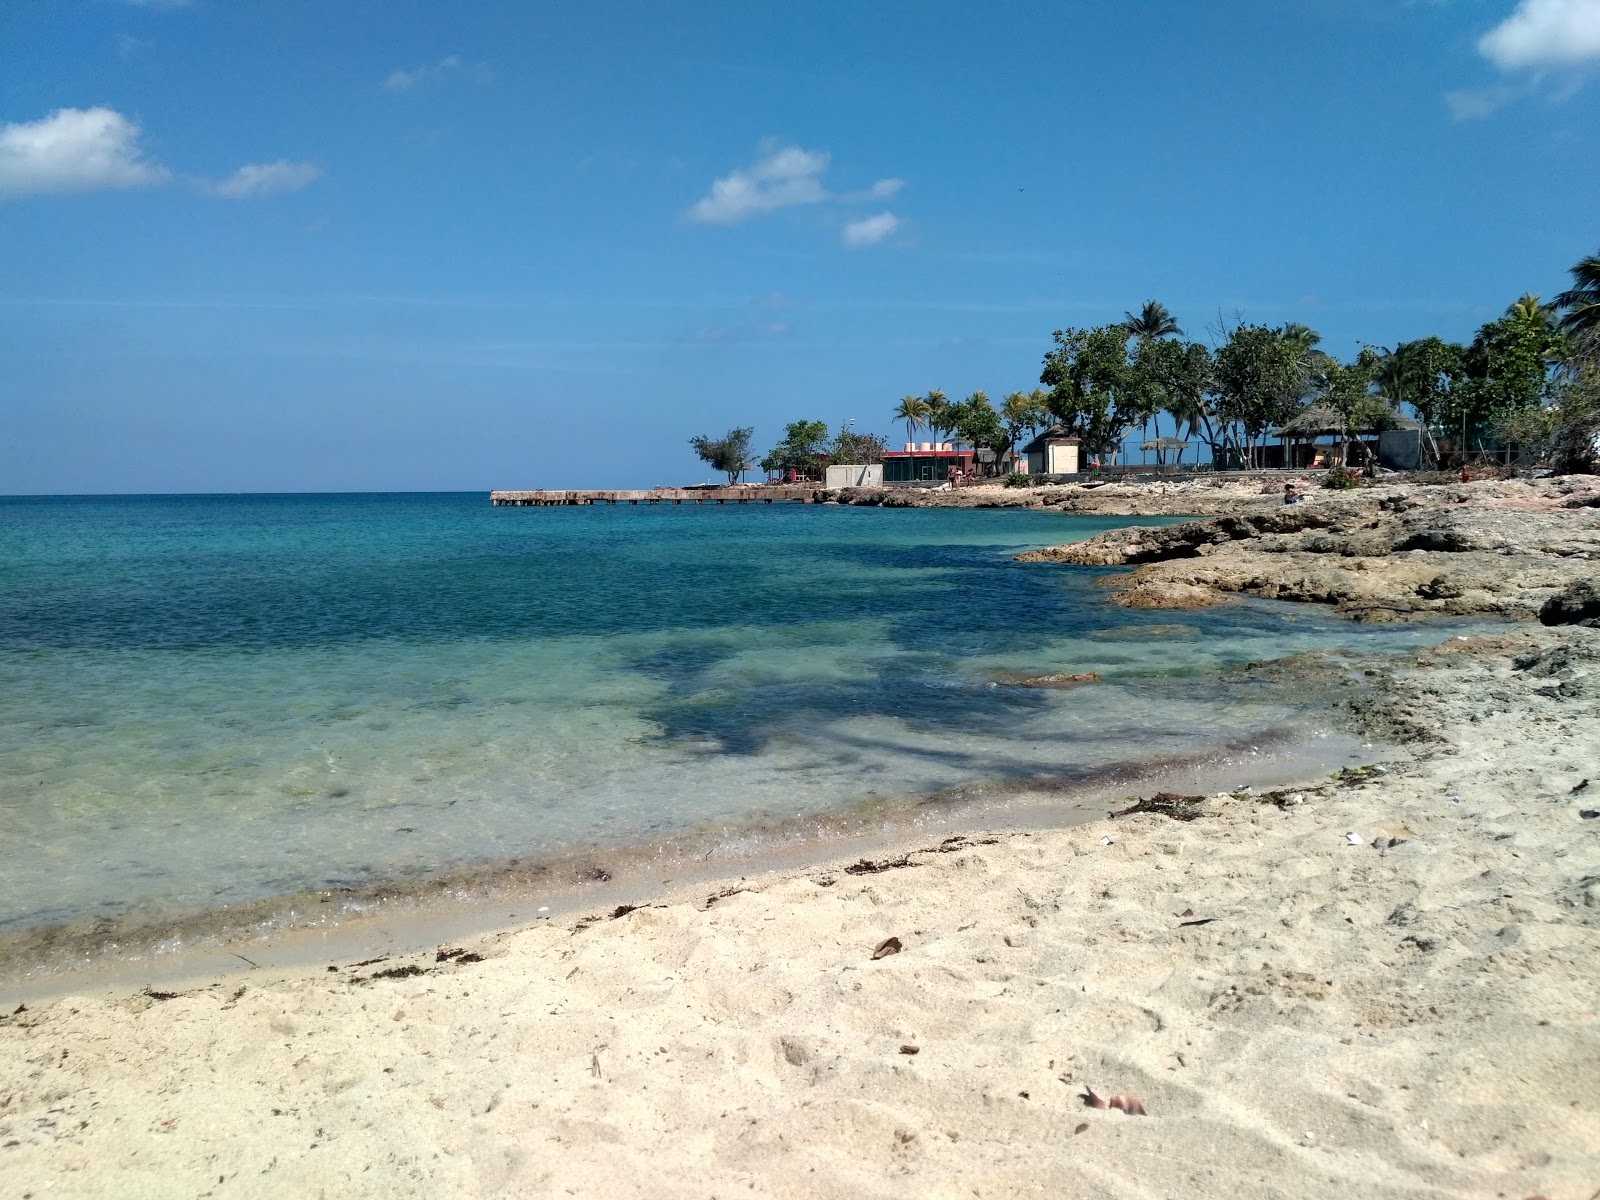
<point x="1341" y="478"/>
<point x="1018" y="479"/>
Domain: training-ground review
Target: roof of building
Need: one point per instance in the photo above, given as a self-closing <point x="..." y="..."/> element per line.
<point x="1321" y="421"/>
<point x="1058" y="434"/>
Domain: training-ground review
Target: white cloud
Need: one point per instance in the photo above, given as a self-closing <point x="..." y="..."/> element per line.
<point x="783" y="176"/>
<point x="265" y="179"/>
<point x="403" y="81"/>
<point x="1545" y="33"/>
<point x="869" y="231"/>
<point x="1476" y="103"/>
<point x="74" y="150"/>
<point x="885" y="188"/>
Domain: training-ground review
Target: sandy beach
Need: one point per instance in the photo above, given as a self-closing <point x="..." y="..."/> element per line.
<point x="1377" y="985"/>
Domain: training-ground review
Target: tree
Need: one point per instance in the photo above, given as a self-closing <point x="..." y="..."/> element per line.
<point x="1021" y="413"/>
<point x="729" y="453"/>
<point x="941" y="418"/>
<point x="1152" y="324"/>
<point x="1580" y="307"/>
<point x="1179" y="376"/>
<point x="1507" y="369"/>
<point x="979" y="425"/>
<point x="856" y="448"/>
<point x="1575" y="442"/>
<point x="804" y="449"/>
<point x="1423" y="374"/>
<point x="1153" y="321"/>
<point x="1347" y="388"/>
<point x="1087" y="374"/>
<point x="914" y="411"/>
<point x="1262" y="379"/>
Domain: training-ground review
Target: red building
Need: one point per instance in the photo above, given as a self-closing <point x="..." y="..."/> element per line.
<point x="927" y="462"/>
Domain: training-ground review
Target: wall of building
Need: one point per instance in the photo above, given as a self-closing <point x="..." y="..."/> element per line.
<point x="866" y="475"/>
<point x="1063" y="459"/>
<point x="1400" y="449"/>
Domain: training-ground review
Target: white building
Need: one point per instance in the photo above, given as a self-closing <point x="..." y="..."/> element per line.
<point x="1053" y="452"/>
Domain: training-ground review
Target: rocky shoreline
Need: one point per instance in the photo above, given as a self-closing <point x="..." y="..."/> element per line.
<point x="1521" y="549"/>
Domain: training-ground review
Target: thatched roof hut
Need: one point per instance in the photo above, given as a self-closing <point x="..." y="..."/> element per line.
<point x="1321" y="421"/>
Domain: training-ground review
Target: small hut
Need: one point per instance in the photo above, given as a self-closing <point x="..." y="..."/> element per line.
<point x="1053" y="452"/>
<point x="1395" y="441"/>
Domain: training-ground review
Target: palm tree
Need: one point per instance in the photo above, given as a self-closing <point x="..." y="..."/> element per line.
<point x="1531" y="310"/>
<point x="1307" y="338"/>
<point x="1580" y="304"/>
<point x="940" y="419"/>
<point x="1153" y="321"/>
<point x="913" y="411"/>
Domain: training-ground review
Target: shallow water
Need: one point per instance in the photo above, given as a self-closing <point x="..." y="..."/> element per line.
<point x="206" y="700"/>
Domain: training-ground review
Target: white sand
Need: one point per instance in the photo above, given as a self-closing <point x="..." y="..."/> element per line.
<point x="1412" y="1016"/>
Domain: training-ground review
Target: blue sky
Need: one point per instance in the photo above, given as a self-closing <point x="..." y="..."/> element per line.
<point x="275" y="245"/>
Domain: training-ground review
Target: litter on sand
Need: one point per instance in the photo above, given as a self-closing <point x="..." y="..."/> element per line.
<point x="1105" y="841"/>
<point x="1354" y="839"/>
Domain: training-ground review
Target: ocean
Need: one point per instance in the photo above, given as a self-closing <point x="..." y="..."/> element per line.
<point x="208" y="700"/>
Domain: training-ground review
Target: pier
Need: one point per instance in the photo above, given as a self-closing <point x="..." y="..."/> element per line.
<point x="754" y="494"/>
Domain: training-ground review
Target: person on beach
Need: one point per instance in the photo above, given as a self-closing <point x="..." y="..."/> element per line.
<point x="1290" y="495"/>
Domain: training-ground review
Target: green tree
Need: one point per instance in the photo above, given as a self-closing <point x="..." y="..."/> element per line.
<point x="856" y="448"/>
<point x="1575" y="441"/>
<point x="1508" y="369"/>
<point x="729" y="453"/>
<point x="1580" y="307"/>
<point x="977" y="424"/>
<point x="1262" y="377"/>
<point x="1423" y="374"/>
<point x="913" y="410"/>
<point x="941" y="418"/>
<point x="1141" y="398"/>
<point x="1153" y="321"/>
<point x="1178" y="376"/>
<point x="1348" y="389"/>
<point x="804" y="449"/>
<point x="1020" y="414"/>
<point x="1088" y="377"/>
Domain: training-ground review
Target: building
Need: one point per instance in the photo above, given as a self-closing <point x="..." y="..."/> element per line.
<point x="1395" y="441"/>
<point x="843" y="475"/>
<point x="1053" y="452"/>
<point x="927" y="462"/>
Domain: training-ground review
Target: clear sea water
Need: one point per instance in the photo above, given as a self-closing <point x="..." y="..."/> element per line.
<point x="211" y="699"/>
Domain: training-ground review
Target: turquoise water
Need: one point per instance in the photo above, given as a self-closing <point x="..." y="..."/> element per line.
<point x="205" y="700"/>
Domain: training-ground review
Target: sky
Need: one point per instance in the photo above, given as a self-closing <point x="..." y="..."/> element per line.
<point x="306" y="245"/>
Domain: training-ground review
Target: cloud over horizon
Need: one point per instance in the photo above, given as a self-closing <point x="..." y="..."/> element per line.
<point x="74" y="150"/>
<point x="265" y="179"/>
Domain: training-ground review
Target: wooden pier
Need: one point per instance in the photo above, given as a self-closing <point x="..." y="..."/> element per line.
<point x="753" y="494"/>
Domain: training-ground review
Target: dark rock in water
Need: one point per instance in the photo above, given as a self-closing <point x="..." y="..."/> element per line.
<point x="1579" y="604"/>
<point x="1048" y="681"/>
